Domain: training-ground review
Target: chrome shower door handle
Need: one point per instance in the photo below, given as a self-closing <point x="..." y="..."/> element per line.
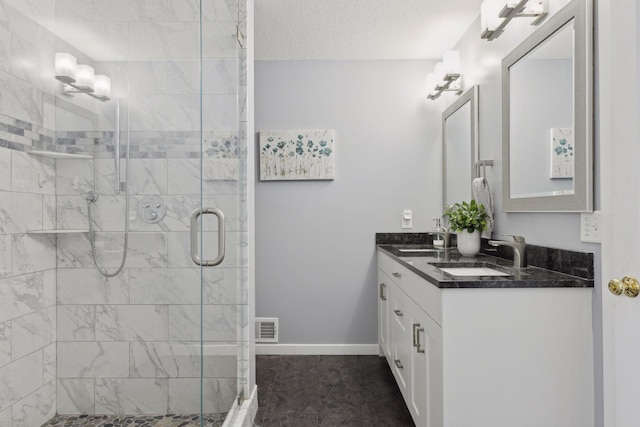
<point x="194" y="236"/>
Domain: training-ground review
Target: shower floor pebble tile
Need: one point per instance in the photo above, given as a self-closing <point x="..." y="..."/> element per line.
<point x="210" y="420"/>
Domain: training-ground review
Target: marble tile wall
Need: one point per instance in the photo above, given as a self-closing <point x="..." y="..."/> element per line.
<point x="28" y="324"/>
<point x="71" y="340"/>
<point x="28" y="312"/>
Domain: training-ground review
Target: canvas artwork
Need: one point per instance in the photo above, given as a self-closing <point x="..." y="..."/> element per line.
<point x="297" y="155"/>
<point x="562" y="158"/>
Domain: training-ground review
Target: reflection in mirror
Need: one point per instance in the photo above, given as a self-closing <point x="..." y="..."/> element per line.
<point x="460" y="147"/>
<point x="547" y="125"/>
<point x="541" y="155"/>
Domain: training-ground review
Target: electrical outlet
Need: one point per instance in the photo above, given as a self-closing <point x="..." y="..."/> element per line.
<point x="590" y="227"/>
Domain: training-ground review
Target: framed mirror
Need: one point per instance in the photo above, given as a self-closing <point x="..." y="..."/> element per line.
<point x="547" y="142"/>
<point x="460" y="147"/>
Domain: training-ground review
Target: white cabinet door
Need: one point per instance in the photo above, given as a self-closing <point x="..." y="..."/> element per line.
<point x="400" y="341"/>
<point x="425" y="403"/>
<point x="385" y="289"/>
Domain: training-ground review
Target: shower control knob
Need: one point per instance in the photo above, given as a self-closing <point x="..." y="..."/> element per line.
<point x="152" y="209"/>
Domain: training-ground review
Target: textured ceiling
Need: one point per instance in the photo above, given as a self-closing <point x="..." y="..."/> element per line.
<point x="360" y="29"/>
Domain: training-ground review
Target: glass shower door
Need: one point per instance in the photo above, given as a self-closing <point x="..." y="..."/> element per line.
<point x="164" y="335"/>
<point x="223" y="195"/>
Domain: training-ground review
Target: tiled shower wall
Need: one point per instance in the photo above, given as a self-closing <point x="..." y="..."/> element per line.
<point x="129" y="344"/>
<point x="27" y="202"/>
<point x="27" y="290"/>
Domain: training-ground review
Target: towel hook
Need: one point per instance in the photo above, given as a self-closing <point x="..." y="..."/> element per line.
<point x="484" y="164"/>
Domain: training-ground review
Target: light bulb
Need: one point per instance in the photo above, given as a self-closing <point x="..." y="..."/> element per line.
<point x="490" y="14"/>
<point x="102" y="87"/>
<point x="451" y="60"/>
<point x="85" y="76"/>
<point x="65" y="65"/>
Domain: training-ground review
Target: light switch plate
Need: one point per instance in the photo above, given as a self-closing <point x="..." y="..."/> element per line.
<point x="407" y="218"/>
<point x="590" y="227"/>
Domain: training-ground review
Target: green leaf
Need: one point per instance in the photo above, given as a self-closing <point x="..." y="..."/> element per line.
<point x="468" y="216"/>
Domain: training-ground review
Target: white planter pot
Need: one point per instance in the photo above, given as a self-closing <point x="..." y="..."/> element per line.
<point x="468" y="243"/>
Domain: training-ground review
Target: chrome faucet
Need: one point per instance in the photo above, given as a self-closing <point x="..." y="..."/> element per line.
<point x="442" y="232"/>
<point x="519" y="249"/>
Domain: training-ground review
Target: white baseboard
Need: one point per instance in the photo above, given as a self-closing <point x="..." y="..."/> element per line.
<point x="317" y="349"/>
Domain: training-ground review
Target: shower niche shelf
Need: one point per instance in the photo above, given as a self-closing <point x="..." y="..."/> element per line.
<point x="57" y="231"/>
<point x="56" y="155"/>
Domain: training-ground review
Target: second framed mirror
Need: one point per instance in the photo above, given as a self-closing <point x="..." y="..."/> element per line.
<point x="460" y="147"/>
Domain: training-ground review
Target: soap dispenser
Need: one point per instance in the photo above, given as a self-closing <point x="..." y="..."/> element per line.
<point x="437" y="239"/>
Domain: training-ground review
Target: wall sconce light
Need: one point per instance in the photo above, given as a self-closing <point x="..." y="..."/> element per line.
<point x="79" y="78"/>
<point x="446" y="76"/>
<point x="495" y="15"/>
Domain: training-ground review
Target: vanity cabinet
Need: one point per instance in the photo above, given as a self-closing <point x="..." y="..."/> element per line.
<point x="487" y="357"/>
<point x="411" y="340"/>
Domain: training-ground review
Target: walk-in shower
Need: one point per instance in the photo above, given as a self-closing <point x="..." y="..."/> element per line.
<point x="122" y="127"/>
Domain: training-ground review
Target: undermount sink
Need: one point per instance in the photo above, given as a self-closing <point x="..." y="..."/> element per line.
<point x="420" y="250"/>
<point x="476" y="269"/>
<point x="473" y="271"/>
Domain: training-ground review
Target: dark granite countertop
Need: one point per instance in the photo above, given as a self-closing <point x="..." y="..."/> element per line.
<point x="428" y="266"/>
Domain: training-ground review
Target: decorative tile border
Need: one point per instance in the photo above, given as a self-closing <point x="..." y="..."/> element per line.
<point x="153" y="145"/>
<point x="23" y="136"/>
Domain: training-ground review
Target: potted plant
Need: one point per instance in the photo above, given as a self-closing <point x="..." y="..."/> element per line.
<point x="468" y="220"/>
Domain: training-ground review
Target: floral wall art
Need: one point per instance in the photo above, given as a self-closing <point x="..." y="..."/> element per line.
<point x="297" y="155"/>
<point x="562" y="153"/>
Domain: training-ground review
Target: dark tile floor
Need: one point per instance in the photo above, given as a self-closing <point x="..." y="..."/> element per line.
<point x="328" y="391"/>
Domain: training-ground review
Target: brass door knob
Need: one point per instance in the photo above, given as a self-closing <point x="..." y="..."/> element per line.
<point x="629" y="285"/>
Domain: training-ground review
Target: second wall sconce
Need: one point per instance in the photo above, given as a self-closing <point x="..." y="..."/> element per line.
<point x="446" y="76"/>
<point x="79" y="78"/>
<point x="495" y="15"/>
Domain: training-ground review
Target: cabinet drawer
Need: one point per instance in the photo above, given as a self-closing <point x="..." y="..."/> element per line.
<point x="398" y="314"/>
<point x="390" y="267"/>
<point x="401" y="368"/>
<point x="427" y="296"/>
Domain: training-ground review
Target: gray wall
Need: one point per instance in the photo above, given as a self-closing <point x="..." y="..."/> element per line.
<point x="315" y="247"/>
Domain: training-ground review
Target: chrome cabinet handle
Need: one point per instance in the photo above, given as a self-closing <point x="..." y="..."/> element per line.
<point x="194" y="236"/>
<point x="382" y="295"/>
<point x="415" y="339"/>
<point x="398" y="313"/>
<point x="418" y="345"/>
<point x="398" y="363"/>
<point x="398" y="275"/>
